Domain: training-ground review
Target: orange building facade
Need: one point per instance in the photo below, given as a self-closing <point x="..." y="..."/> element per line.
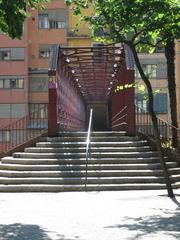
<point x="13" y="77"/>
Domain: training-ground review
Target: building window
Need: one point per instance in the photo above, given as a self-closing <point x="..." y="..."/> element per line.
<point x="160" y="102"/>
<point x="7" y="54"/>
<point x="44" y="51"/>
<point x="43" y="21"/>
<point x="149" y="69"/>
<point x="12" y="110"/>
<point x="141" y="102"/>
<point x="4" y="136"/>
<point x="53" y="19"/>
<point x="38" y="110"/>
<point x="38" y="115"/>
<point x="12" y="82"/>
<point x="38" y="83"/>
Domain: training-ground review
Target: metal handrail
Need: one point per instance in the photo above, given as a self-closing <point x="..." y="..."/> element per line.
<point x="20" y="131"/>
<point x="88" y="141"/>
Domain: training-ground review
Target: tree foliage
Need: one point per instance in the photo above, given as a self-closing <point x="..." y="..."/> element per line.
<point x="143" y="23"/>
<point x="13" y="14"/>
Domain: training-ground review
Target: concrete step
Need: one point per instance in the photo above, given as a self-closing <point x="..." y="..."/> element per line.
<point x="90" y="173"/>
<point x="79" y="161"/>
<point x="81" y="181"/>
<point x="175" y="178"/>
<point x="69" y="188"/>
<point x="96" y="144"/>
<point x="93" y="134"/>
<point x="93" y="139"/>
<point x="70" y="167"/>
<point x="83" y="155"/>
<point x="83" y="149"/>
<point x="173" y="171"/>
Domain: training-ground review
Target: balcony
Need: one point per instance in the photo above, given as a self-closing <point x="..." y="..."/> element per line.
<point x="81" y="33"/>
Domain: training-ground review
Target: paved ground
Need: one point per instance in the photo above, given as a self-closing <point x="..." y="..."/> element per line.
<point x="89" y="216"/>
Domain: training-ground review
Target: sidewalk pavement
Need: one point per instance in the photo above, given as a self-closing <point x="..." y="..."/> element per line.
<point x="123" y="215"/>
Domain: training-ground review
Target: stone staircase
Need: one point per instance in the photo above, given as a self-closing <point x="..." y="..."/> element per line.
<point x="118" y="162"/>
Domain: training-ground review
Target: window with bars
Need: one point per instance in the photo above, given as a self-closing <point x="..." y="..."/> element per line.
<point x="7" y="54"/>
<point x="53" y="19"/>
<point x="11" y="82"/>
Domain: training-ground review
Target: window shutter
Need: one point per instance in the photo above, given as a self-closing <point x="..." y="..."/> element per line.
<point x="160" y="103"/>
<point x="17" y="53"/>
<point x="59" y="15"/>
<point x="18" y="110"/>
<point x="162" y="71"/>
<point x="5" y="110"/>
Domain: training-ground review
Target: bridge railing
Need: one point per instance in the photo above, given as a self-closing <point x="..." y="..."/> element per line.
<point x="66" y="104"/>
<point x="23" y="130"/>
<point x="119" y="120"/>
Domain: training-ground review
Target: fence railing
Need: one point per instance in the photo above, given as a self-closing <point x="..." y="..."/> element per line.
<point x="23" y="130"/>
<point x="144" y="126"/>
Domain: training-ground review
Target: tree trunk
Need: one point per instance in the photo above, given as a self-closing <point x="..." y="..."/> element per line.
<point x="154" y="120"/>
<point x="170" y="57"/>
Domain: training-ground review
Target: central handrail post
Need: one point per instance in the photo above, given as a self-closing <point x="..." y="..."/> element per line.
<point x="88" y="141"/>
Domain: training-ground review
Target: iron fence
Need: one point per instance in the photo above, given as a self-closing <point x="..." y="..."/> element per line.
<point x="144" y="126"/>
<point x="22" y="130"/>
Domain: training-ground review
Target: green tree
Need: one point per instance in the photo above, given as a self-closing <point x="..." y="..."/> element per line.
<point x="138" y="23"/>
<point x="13" y="14"/>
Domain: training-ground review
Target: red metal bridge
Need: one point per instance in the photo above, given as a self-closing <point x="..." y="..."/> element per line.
<point x="81" y="78"/>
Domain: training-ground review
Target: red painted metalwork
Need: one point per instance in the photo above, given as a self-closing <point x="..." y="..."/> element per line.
<point x="122" y="100"/>
<point x="52" y="113"/>
<point x="92" y="69"/>
<point x="88" y="75"/>
<point x="23" y="130"/>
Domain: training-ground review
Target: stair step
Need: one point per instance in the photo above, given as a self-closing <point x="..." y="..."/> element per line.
<point x="117" y="162"/>
<point x="91" y="173"/>
<point x="69" y="188"/>
<point x="175" y="178"/>
<point x="93" y="139"/>
<point x="96" y="133"/>
<point x="39" y="161"/>
<point x="81" y="181"/>
<point x="174" y="170"/>
<point x="83" y="149"/>
<point x="80" y="155"/>
<point x="70" y="167"/>
<point x="97" y="144"/>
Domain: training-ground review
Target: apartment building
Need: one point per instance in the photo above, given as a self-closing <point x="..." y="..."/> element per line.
<point x="45" y="27"/>
<point x="24" y="63"/>
<point x="14" y="82"/>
